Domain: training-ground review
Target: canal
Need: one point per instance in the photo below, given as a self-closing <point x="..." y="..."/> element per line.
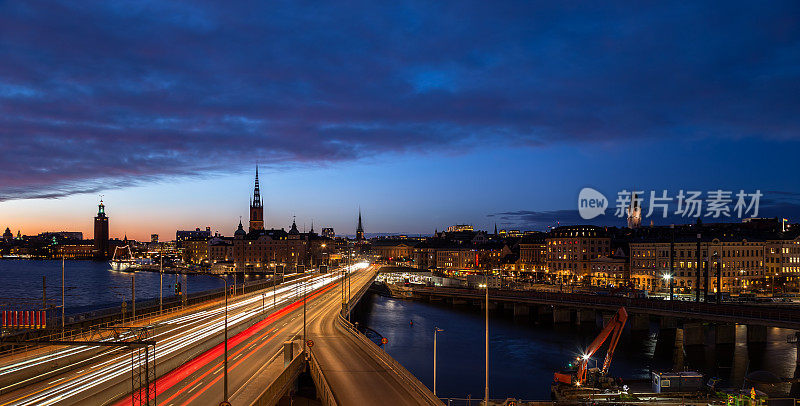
<point x="524" y="351"/>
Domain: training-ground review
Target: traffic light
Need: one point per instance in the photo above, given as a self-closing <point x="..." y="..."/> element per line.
<point x="178" y="288"/>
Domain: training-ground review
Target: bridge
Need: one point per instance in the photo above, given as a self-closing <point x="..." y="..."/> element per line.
<point x="266" y="353"/>
<point x="585" y="308"/>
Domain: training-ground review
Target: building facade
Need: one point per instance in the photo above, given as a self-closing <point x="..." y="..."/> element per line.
<point x="570" y="250"/>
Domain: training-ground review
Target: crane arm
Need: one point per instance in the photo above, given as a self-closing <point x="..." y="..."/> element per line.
<point x="613" y="329"/>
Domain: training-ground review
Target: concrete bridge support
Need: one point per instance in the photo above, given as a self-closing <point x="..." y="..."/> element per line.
<point x="756" y="334"/>
<point x="586" y="316"/>
<point x="694" y="334"/>
<point x="561" y="315"/>
<point x="607" y="318"/>
<point x="724" y="334"/>
<point x="521" y="309"/>
<point x="459" y="302"/>
<point x="544" y="313"/>
<point x="640" y="322"/>
<point x="668" y="323"/>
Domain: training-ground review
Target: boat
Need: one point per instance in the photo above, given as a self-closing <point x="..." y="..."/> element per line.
<point x="120" y="261"/>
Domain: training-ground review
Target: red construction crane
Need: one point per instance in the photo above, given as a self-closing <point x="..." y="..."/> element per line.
<point x="613" y="330"/>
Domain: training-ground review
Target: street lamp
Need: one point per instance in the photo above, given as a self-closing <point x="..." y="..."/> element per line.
<point x="668" y="279"/>
<point x="436" y="330"/>
<point x="225" y="401"/>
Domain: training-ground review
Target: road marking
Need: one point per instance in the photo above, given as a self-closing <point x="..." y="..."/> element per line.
<point x="195" y="387"/>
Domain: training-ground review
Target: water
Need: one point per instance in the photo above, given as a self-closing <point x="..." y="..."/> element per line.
<point x="524" y="354"/>
<point x="89" y="285"/>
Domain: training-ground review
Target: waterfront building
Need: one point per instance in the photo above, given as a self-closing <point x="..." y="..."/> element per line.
<point x="75" y="251"/>
<point x="8" y="236"/>
<point x="782" y="261"/>
<point x="195" y="250"/>
<point x="183" y="235"/>
<point x="610" y="271"/>
<point x="533" y="255"/>
<point x="61" y="235"/>
<point x="395" y="250"/>
<point x="220" y="249"/>
<point x="570" y="250"/>
<point x="101" y="243"/>
<point x="256" y="208"/>
<point x="741" y="267"/>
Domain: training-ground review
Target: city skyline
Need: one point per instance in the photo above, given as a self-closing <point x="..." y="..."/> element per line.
<point x="479" y="114"/>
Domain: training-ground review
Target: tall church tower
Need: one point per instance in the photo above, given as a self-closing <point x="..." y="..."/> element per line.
<point x="634" y="212"/>
<point x="360" y="228"/>
<point x="101" y="233"/>
<point x="256" y="208"/>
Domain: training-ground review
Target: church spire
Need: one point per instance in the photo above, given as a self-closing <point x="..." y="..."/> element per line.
<point x="360" y="228"/>
<point x="257" y="202"/>
<point x="256" y="208"/>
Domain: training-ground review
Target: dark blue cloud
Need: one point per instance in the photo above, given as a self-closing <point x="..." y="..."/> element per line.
<point x="773" y="204"/>
<point x="100" y="94"/>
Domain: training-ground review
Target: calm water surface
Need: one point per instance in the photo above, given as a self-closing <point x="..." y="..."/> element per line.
<point x="524" y="354"/>
<point x="89" y="284"/>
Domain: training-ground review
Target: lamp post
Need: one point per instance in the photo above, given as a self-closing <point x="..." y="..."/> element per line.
<point x="161" y="281"/>
<point x="486" y="372"/>
<point x="668" y="279"/>
<point x="225" y="378"/>
<point x="62" y="296"/>
<point x="436" y="330"/>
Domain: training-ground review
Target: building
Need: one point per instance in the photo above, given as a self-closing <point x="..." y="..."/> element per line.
<point x="741" y="264"/>
<point x="396" y="250"/>
<point x="533" y="255"/>
<point x="461" y="227"/>
<point x="197" y="233"/>
<point x="154" y="238"/>
<point x="570" y="250"/>
<point x="360" y="228"/>
<point x="101" y="246"/>
<point x="195" y="251"/>
<point x="327" y="232"/>
<point x="75" y="251"/>
<point x="62" y="235"/>
<point x="8" y="236"/>
<point x="782" y="262"/>
<point x="256" y="208"/>
<point x="611" y="271"/>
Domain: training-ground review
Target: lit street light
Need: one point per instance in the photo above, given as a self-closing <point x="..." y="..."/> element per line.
<point x="668" y="279"/>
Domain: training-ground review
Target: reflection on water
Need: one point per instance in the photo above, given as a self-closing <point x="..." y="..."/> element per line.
<point x="524" y="353"/>
<point x="89" y="284"/>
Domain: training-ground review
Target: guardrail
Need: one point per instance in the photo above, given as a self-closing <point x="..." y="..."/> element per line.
<point x="770" y="316"/>
<point x="273" y="393"/>
<point x="407" y="377"/>
<point x="89" y="323"/>
<point x="324" y="392"/>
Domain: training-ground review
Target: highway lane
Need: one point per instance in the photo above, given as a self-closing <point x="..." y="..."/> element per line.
<point x="355" y="375"/>
<point x="179" y="338"/>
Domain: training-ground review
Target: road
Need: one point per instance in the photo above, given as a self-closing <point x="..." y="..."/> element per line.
<point x="188" y="346"/>
<point x="356" y="375"/>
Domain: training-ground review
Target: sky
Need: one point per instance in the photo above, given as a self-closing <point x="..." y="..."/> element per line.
<point x="423" y="114"/>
